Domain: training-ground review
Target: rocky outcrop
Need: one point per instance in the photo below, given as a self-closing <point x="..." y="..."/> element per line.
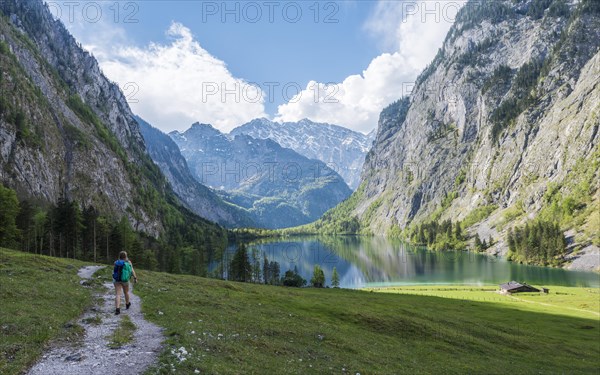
<point x="502" y="125"/>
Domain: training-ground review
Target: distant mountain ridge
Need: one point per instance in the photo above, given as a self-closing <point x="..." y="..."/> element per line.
<point x="278" y="186"/>
<point x="199" y="198"/>
<point x="342" y="149"/>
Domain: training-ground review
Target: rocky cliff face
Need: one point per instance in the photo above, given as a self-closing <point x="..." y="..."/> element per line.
<point x="277" y="186"/>
<point x="502" y="126"/>
<point x="65" y="129"/>
<point x="340" y="148"/>
<point x="200" y="199"/>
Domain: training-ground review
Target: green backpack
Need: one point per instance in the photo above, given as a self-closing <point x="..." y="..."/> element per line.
<point x="126" y="272"/>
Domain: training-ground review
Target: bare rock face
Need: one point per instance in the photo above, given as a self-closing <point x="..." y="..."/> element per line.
<point x="65" y="129"/>
<point x="506" y="116"/>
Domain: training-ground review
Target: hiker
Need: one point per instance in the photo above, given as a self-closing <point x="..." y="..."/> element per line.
<point x="121" y="274"/>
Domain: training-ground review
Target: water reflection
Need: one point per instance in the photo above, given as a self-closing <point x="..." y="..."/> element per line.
<point x="378" y="261"/>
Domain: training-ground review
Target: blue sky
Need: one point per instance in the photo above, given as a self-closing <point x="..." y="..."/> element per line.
<point x="280" y="51"/>
<point x="186" y="61"/>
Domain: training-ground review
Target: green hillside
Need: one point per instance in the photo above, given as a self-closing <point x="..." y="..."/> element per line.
<point x="39" y="295"/>
<point x="277" y="330"/>
<point x="232" y="328"/>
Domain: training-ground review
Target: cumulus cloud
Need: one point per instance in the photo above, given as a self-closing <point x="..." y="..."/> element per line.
<point x="412" y="32"/>
<point x="173" y="84"/>
<point x="176" y="83"/>
<point x="179" y="83"/>
<point x="357" y="101"/>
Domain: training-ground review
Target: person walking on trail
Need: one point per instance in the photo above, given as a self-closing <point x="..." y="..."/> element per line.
<point x="122" y="273"/>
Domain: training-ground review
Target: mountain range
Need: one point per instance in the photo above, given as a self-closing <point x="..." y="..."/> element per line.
<point x="276" y="185"/>
<point x="199" y="198"/>
<point x="342" y="149"/>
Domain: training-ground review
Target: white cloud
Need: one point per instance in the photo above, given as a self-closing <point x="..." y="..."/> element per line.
<point x="358" y="100"/>
<point x="174" y="84"/>
<point x="180" y="83"/>
<point x="413" y="31"/>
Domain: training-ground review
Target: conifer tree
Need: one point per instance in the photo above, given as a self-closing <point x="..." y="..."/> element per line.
<point x="335" y="278"/>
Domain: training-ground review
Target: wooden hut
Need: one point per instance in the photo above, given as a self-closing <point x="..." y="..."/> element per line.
<point x="515" y="287"/>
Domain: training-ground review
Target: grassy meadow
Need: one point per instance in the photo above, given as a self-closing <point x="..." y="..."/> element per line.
<point x="233" y="328"/>
<point x="221" y="327"/>
<point x="39" y="297"/>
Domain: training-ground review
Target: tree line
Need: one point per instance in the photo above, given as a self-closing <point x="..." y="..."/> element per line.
<point x="439" y="236"/>
<point x="540" y="242"/>
<point x="66" y="229"/>
<point x="246" y="266"/>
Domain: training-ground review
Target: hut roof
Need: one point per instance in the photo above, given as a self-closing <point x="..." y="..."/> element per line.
<point x="513" y="285"/>
<point x="510" y="285"/>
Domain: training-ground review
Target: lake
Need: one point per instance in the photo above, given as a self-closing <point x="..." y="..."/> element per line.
<point x="378" y="261"/>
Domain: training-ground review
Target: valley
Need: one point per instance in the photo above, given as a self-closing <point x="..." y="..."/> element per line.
<point x="353" y="227"/>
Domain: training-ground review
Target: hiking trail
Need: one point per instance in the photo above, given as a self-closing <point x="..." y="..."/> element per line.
<point x="92" y="355"/>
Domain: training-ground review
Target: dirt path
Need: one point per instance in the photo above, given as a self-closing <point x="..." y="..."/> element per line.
<point x="93" y="356"/>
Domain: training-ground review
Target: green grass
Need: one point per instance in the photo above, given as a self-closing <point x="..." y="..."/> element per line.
<point x="123" y="334"/>
<point x="39" y="297"/>
<point x="568" y="301"/>
<point x="477" y="215"/>
<point x="222" y="327"/>
<point x="231" y="328"/>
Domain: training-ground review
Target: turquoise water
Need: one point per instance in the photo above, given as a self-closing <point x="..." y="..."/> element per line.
<point x="376" y="261"/>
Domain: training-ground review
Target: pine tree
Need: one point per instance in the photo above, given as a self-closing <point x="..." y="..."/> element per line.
<point x="89" y="237"/>
<point x="422" y="238"/>
<point x="458" y="232"/>
<point x="478" y="244"/>
<point x="175" y="261"/>
<point x="240" y="268"/>
<point x="266" y="270"/>
<point x="335" y="278"/>
<point x="9" y="203"/>
<point x="274" y="272"/>
<point x="24" y="222"/>
<point x="256" y="272"/>
<point x="39" y="230"/>
<point x="511" y="241"/>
